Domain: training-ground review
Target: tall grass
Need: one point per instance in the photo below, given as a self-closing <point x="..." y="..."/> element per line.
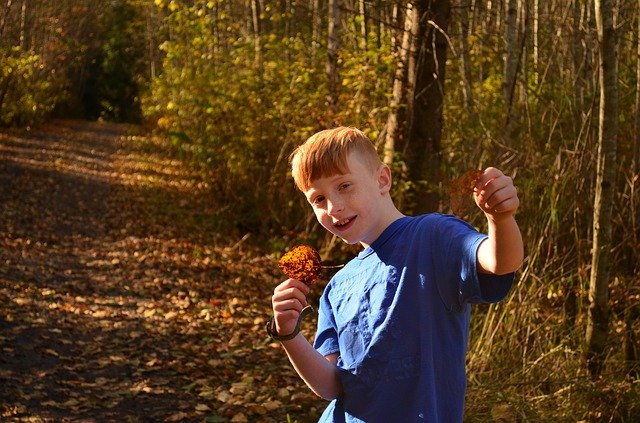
<point x="525" y="358"/>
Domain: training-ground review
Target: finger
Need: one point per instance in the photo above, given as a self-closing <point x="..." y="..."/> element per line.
<point x="290" y="289"/>
<point x="288" y="305"/>
<point x="508" y="205"/>
<point x="505" y="200"/>
<point x="293" y="283"/>
<point x="497" y="183"/>
<point x="498" y="194"/>
<point x="497" y="204"/>
<point x="489" y="175"/>
<point x="289" y="294"/>
<point x="502" y="186"/>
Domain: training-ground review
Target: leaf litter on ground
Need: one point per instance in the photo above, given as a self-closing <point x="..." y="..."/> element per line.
<point x="117" y="302"/>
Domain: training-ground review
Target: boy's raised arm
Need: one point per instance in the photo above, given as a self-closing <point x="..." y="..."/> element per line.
<point x="497" y="197"/>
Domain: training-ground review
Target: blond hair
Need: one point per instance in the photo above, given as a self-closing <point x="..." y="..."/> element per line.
<point x="325" y="154"/>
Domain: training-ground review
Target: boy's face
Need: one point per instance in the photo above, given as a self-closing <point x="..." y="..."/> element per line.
<point x="347" y="205"/>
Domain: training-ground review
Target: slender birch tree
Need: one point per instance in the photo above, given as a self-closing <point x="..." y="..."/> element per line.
<point x="636" y="140"/>
<point x="333" y="46"/>
<point x="256" y="25"/>
<point x="511" y="60"/>
<point x="465" y="65"/>
<point x="396" y="119"/>
<point x="598" y="312"/>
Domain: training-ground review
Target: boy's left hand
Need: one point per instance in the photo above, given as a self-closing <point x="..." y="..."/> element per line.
<point x="496" y="195"/>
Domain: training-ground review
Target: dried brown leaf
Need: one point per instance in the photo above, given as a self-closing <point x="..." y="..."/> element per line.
<point x="460" y="189"/>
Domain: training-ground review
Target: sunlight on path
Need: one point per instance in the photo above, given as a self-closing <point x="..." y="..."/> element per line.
<point x="120" y="297"/>
<point x="134" y="161"/>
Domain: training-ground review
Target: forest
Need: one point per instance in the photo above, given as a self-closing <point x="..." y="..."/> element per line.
<point x="547" y="91"/>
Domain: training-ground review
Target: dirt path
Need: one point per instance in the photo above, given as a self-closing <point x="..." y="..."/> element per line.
<point x="122" y="295"/>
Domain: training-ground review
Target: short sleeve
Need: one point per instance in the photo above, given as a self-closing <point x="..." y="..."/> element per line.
<point x="494" y="288"/>
<point x="459" y="282"/>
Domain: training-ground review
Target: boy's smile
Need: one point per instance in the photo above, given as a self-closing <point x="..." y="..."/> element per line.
<point x="342" y="224"/>
<point x="345" y="224"/>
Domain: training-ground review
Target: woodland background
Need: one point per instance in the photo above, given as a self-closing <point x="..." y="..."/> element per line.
<point x="548" y="91"/>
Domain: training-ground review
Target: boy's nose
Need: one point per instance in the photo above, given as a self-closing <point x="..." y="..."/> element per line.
<point x="334" y="207"/>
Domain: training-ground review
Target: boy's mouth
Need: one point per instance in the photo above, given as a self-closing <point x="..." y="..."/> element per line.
<point x="344" y="223"/>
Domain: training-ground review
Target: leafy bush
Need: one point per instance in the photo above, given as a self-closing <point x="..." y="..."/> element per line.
<point x="29" y="88"/>
<point x="239" y="113"/>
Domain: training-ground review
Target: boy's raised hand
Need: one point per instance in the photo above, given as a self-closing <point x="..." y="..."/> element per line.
<point x="496" y="195"/>
<point x="288" y="300"/>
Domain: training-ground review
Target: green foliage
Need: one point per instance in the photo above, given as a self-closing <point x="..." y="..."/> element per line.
<point x="71" y="59"/>
<point x="29" y="88"/>
<point x="240" y="113"/>
<point x="112" y="91"/>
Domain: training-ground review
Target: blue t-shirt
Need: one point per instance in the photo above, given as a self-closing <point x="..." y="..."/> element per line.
<point x="398" y="317"/>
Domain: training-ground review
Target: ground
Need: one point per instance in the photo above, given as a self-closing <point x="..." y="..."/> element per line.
<point x="121" y="299"/>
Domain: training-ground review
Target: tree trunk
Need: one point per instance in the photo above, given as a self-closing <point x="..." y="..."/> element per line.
<point x="23" y="21"/>
<point x="511" y="58"/>
<point x="522" y="63"/>
<point x="151" y="29"/>
<point x="315" y="28"/>
<point x="333" y="47"/>
<point x="536" y="42"/>
<point x="288" y="12"/>
<point x="635" y="160"/>
<point x="598" y="313"/>
<point x="422" y="150"/>
<point x="396" y="22"/>
<point x="379" y="24"/>
<point x="397" y="113"/>
<point x="578" y="67"/>
<point x="257" y="44"/>
<point x="465" y="63"/>
<point x="364" y="30"/>
<point x="5" y="14"/>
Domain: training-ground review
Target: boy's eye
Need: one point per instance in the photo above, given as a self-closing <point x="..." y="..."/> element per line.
<point x="318" y="200"/>
<point x="345" y="185"/>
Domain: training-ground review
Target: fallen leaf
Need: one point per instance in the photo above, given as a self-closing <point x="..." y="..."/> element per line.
<point x="179" y="416"/>
<point x="239" y="418"/>
<point x="52" y="352"/>
<point x="202" y="407"/>
<point x="272" y="405"/>
<point x="224" y="396"/>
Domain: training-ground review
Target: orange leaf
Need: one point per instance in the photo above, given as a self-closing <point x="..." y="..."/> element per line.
<point x="302" y="263"/>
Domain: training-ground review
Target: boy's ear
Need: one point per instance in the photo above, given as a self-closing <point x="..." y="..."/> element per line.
<point x="384" y="179"/>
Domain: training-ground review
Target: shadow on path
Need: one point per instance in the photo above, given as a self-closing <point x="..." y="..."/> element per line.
<point x="119" y="298"/>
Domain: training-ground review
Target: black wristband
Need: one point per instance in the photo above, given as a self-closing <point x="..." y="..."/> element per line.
<point x="273" y="333"/>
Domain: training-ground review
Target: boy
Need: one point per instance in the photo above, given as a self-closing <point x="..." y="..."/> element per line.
<point x="393" y="323"/>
